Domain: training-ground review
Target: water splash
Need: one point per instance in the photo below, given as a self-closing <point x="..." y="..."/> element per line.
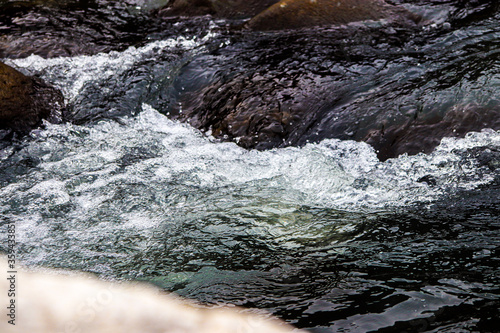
<point x="73" y="74"/>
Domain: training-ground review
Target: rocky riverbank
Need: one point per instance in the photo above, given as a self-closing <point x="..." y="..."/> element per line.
<point x="360" y="70"/>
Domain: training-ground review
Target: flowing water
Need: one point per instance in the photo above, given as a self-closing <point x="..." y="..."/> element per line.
<point x="323" y="235"/>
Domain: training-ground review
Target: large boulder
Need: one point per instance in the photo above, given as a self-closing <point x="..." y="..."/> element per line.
<point x="218" y="8"/>
<point x="356" y="82"/>
<point x="25" y="101"/>
<point x="293" y="14"/>
<point x="48" y="303"/>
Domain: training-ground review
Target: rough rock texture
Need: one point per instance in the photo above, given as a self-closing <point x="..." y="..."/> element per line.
<point x="218" y="8"/>
<point x="69" y="27"/>
<point x="293" y="14"/>
<point x="393" y="86"/>
<point x="25" y="101"/>
<point x="48" y="303"/>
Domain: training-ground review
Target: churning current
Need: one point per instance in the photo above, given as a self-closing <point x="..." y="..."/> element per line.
<point x="324" y="235"/>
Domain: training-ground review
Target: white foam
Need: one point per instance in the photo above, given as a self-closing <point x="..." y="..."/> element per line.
<point x="332" y="174"/>
<point x="119" y="182"/>
<point x="72" y="74"/>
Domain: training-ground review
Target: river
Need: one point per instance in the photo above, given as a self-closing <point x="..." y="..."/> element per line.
<point x="323" y="235"/>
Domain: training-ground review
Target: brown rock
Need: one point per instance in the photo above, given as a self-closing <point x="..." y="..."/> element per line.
<point x="25" y="101"/>
<point x="293" y="14"/>
<point x="217" y="8"/>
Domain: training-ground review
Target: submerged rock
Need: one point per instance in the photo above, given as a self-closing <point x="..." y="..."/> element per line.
<point x="293" y="14"/>
<point x="263" y="111"/>
<point x="25" y="101"/>
<point x="218" y="8"/>
<point x="465" y="12"/>
<point x="189" y="8"/>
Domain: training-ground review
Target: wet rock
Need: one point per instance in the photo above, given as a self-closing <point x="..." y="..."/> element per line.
<point x="189" y="8"/>
<point x="422" y="136"/>
<point x="69" y="27"/>
<point x="277" y="90"/>
<point x="293" y="14"/>
<point x="466" y="11"/>
<point x="255" y="110"/>
<point x="428" y="179"/>
<point x="25" y="101"/>
<point x="488" y="156"/>
<point x="219" y="8"/>
<point x="372" y="84"/>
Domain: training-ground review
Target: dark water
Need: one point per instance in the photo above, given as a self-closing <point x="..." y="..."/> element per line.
<point x="323" y="235"/>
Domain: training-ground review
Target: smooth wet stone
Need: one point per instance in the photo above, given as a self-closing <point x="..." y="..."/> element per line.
<point x="25" y="101"/>
<point x="218" y="8"/>
<point x="294" y="14"/>
<point x="391" y="86"/>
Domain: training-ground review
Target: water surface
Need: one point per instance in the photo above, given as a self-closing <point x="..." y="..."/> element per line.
<point x="324" y="235"/>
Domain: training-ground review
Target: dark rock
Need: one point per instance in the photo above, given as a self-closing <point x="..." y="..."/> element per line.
<point x="189" y="8"/>
<point x="56" y="28"/>
<point x="25" y="101"/>
<point x="486" y="156"/>
<point x="356" y="82"/>
<point x="467" y="11"/>
<point x="293" y="14"/>
<point x="422" y="136"/>
<point x="428" y="179"/>
<point x="233" y="9"/>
